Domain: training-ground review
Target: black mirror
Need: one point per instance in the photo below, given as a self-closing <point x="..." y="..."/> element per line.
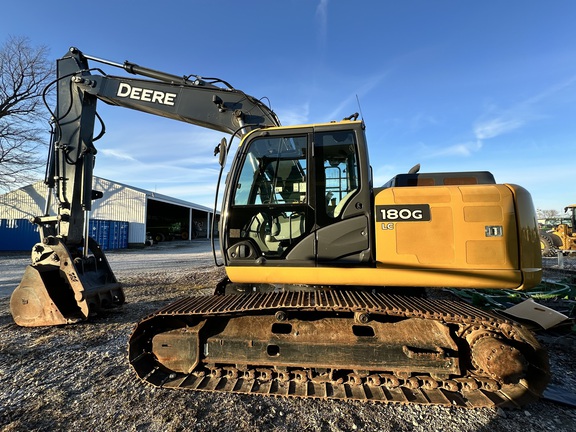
<point x="221" y="150"/>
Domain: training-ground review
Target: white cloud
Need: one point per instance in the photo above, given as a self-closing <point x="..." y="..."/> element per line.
<point x="383" y="173"/>
<point x="421" y="120"/>
<point x="322" y="16"/>
<point x="464" y="149"/>
<point x="117" y="154"/>
<point x="495" y="127"/>
<point x="294" y="115"/>
<point x="355" y="98"/>
<point x="499" y="122"/>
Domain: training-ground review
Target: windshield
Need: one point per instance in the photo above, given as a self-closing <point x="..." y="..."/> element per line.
<point x="274" y="172"/>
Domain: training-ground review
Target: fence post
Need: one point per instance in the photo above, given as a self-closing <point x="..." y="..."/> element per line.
<point x="560" y="259"/>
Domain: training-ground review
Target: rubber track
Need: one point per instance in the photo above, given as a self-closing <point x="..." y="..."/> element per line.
<point x="411" y="390"/>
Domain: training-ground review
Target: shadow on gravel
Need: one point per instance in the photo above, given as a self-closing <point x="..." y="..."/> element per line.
<point x="127" y="313"/>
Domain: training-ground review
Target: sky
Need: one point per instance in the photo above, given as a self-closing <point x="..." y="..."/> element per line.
<point x="453" y="85"/>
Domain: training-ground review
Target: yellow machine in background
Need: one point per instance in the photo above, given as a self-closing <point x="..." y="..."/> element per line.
<point x="560" y="237"/>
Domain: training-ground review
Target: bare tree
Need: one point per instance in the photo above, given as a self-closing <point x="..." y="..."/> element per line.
<point x="544" y="214"/>
<point x="24" y="73"/>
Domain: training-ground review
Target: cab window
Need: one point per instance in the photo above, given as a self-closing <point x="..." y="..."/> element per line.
<point x="274" y="172"/>
<point x="340" y="167"/>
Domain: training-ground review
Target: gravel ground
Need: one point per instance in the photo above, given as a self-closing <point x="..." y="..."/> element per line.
<point x="77" y="377"/>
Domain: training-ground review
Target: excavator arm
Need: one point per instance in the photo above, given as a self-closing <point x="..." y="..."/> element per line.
<point x="69" y="277"/>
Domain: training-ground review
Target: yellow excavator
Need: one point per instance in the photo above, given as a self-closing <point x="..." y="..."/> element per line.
<point x="325" y="271"/>
<point x="561" y="236"/>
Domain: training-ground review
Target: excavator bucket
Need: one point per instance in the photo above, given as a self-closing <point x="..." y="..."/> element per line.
<point x="58" y="288"/>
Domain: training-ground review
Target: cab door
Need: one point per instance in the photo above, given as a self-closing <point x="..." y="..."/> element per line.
<point x="343" y="196"/>
<point x="269" y="217"/>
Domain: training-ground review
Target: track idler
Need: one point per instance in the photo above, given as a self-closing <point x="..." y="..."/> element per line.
<point x="61" y="287"/>
<point x="498" y="359"/>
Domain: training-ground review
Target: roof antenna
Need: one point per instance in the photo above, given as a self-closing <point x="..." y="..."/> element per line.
<point x="359" y="108"/>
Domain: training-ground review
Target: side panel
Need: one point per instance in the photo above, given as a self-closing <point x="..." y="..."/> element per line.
<point x="467" y="227"/>
<point x="470" y="228"/>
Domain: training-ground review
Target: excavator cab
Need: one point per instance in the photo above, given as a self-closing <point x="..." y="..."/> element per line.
<point x="300" y="198"/>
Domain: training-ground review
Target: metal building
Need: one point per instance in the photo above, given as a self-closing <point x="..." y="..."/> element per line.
<point x="147" y="213"/>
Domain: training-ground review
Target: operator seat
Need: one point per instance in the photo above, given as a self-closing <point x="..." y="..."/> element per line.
<point x="340" y="206"/>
